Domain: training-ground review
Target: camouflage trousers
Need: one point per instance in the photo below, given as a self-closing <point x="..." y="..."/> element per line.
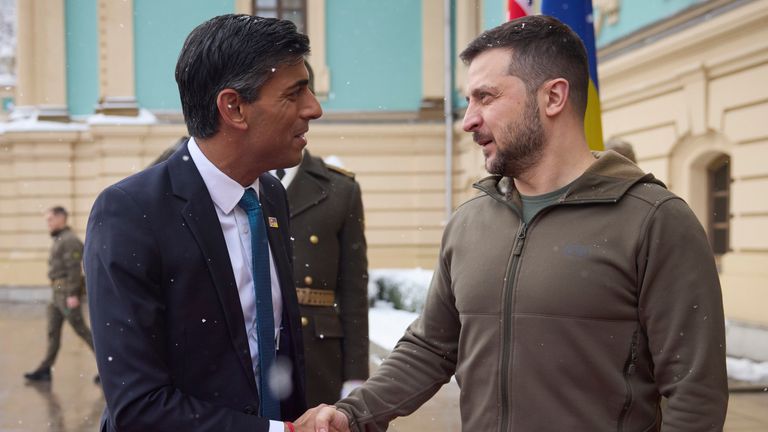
<point x="58" y="312"/>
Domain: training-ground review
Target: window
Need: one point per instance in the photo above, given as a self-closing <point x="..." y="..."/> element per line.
<point x="293" y="10"/>
<point x="719" y="174"/>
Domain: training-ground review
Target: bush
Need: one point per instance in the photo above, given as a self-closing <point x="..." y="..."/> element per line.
<point x="405" y="289"/>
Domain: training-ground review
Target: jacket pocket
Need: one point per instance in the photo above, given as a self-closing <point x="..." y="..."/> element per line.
<point x="328" y="326"/>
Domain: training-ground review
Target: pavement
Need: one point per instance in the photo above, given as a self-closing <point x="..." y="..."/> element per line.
<point x="71" y="402"/>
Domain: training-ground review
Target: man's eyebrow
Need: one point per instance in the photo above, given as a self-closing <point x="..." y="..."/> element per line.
<point x="483" y="89"/>
<point x="297" y="84"/>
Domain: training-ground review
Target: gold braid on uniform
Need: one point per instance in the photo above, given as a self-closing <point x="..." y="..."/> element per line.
<point x="340" y="170"/>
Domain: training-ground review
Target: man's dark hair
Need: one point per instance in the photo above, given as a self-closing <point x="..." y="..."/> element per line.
<point x="542" y="48"/>
<point x="59" y="211"/>
<point x="231" y="51"/>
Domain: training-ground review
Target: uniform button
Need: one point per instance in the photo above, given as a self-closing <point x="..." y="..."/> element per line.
<point x="250" y="409"/>
<point x="308" y="280"/>
<point x="304" y="321"/>
<point x="313" y="239"/>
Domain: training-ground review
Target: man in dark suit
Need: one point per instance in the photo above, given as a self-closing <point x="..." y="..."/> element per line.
<point x="331" y="275"/>
<point x="195" y="316"/>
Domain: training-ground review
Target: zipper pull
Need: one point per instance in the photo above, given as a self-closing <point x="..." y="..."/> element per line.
<point x="520" y="240"/>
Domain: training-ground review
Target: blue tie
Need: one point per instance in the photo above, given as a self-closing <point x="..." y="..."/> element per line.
<point x="265" y="324"/>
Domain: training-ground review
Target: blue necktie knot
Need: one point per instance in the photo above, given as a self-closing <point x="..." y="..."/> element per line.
<point x="249" y="202"/>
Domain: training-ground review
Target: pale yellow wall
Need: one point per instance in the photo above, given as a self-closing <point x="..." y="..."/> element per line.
<point x="400" y="168"/>
<point x="116" y="67"/>
<point x="432" y="49"/>
<point x="40" y="77"/>
<point x="688" y="98"/>
<point x="62" y="167"/>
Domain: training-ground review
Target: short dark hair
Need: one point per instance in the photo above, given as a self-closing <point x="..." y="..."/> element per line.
<point x="59" y="211"/>
<point x="543" y="48"/>
<point x="231" y="51"/>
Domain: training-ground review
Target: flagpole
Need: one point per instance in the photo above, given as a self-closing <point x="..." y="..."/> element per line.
<point x="448" y="110"/>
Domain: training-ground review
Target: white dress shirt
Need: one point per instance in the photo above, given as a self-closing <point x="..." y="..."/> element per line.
<point x="226" y="193"/>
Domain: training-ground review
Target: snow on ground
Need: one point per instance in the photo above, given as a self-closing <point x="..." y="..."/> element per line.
<point x="747" y="370"/>
<point x="405" y="288"/>
<point x="387" y="325"/>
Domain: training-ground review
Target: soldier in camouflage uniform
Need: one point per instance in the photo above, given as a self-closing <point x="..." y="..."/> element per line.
<point x="66" y="276"/>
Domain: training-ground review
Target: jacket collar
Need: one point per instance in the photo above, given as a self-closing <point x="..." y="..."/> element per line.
<point x="57" y="233"/>
<point x="309" y="187"/>
<point x="606" y="180"/>
<point x="315" y="166"/>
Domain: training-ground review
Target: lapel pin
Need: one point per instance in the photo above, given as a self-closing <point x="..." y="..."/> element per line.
<point x="273" y="222"/>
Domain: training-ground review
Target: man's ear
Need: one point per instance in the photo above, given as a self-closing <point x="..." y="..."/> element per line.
<point x="230" y="107"/>
<point x="555" y="95"/>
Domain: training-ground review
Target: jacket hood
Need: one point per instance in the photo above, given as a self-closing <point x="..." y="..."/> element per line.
<point x="606" y="180"/>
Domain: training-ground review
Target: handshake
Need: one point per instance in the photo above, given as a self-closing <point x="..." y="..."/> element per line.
<point x="322" y="418"/>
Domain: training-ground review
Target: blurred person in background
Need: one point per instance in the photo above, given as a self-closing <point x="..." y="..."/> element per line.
<point x="65" y="272"/>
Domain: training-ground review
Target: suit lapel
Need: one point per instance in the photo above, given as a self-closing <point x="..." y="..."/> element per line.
<point x="200" y="215"/>
<point x="277" y="224"/>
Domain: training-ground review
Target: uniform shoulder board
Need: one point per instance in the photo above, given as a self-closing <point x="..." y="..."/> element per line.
<point x="340" y="170"/>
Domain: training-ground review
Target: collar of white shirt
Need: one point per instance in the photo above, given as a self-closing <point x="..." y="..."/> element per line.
<point x="225" y="192"/>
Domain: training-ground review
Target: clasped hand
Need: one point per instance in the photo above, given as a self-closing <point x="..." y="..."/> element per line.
<point x="322" y="418"/>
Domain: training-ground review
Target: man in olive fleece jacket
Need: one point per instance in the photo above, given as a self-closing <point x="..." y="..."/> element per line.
<point x="574" y="291"/>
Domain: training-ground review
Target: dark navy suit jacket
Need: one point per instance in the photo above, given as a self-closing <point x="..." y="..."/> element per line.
<point x="168" y="328"/>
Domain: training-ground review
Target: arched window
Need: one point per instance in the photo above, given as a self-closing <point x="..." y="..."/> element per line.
<point x="719" y="197"/>
<point x="292" y="10"/>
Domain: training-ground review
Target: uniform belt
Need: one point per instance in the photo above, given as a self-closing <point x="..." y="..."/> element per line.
<point x="315" y="297"/>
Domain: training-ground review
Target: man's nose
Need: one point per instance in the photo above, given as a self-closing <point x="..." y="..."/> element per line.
<point x="313" y="110"/>
<point x="472" y="119"/>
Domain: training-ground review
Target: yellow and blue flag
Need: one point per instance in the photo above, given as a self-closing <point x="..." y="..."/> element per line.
<point x="578" y="15"/>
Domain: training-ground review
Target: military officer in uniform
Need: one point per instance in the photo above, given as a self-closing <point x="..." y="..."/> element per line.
<point x="331" y="275"/>
<point x="68" y="284"/>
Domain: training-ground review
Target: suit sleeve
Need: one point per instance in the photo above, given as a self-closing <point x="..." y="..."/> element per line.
<point x="681" y="310"/>
<point x="422" y="361"/>
<point x="128" y="314"/>
<point x="353" y="289"/>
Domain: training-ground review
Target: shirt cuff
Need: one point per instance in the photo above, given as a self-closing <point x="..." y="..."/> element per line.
<point x="276" y="426"/>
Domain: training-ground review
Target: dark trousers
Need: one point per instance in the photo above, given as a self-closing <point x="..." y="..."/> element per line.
<point x="57" y="313"/>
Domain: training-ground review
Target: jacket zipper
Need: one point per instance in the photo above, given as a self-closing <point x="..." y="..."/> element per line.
<point x="507" y="328"/>
<point x="517" y="250"/>
<point x="629" y="370"/>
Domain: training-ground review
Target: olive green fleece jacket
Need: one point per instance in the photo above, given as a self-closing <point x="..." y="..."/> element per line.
<point x="579" y="321"/>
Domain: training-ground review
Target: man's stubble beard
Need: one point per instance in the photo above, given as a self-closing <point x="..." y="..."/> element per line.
<point x="520" y="145"/>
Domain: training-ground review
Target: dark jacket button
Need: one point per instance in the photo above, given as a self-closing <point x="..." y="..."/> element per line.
<point x="250" y="409"/>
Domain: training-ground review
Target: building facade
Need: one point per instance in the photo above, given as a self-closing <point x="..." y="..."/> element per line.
<point x="94" y="100"/>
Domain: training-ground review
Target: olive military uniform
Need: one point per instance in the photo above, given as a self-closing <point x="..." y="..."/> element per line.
<point x="66" y="276"/>
<point x="331" y="275"/>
